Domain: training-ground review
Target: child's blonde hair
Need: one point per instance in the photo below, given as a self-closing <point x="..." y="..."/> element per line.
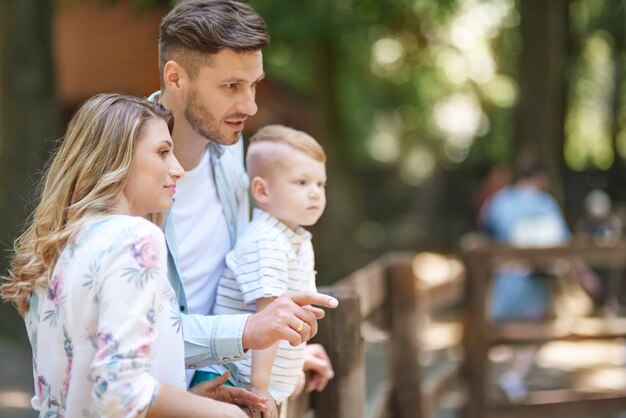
<point x="261" y="160"/>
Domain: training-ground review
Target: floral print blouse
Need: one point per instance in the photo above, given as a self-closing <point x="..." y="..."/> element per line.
<point x="107" y="329"/>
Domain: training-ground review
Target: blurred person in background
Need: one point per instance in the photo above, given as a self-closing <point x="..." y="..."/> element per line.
<point x="522" y="215"/>
<point x="498" y="177"/>
<point x="600" y="226"/>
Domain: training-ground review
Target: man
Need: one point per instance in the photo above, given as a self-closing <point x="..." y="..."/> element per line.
<point x="210" y="62"/>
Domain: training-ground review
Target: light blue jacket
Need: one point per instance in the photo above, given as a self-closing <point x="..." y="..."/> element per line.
<point x="214" y="339"/>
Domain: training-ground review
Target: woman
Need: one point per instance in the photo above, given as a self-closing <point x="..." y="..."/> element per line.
<point x="89" y="273"/>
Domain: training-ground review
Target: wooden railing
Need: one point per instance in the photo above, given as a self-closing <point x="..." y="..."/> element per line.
<point x="385" y="300"/>
<point x="391" y="300"/>
<point x="480" y="263"/>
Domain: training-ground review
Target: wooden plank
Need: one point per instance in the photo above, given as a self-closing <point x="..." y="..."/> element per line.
<point x="613" y="256"/>
<point x="475" y="336"/>
<point x="404" y="341"/>
<point x="561" y="403"/>
<point x="300" y="406"/>
<point x="442" y="296"/>
<point x="480" y="335"/>
<point x="369" y="283"/>
<point x="566" y="330"/>
<point x="340" y="334"/>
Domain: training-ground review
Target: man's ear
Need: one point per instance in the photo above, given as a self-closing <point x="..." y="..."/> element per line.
<point x="259" y="189"/>
<point x="174" y="76"/>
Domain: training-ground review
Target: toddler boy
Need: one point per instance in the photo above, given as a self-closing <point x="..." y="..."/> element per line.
<point x="274" y="254"/>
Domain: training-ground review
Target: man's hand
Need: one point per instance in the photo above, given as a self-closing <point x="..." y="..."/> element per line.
<point x="290" y="317"/>
<point x="215" y="389"/>
<point x="317" y="363"/>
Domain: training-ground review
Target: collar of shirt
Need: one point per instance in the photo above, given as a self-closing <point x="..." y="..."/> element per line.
<point x="295" y="238"/>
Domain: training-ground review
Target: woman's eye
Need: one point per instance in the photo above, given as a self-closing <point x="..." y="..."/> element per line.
<point x="164" y="152"/>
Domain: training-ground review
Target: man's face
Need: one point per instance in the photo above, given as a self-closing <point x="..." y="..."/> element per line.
<point x="222" y="95"/>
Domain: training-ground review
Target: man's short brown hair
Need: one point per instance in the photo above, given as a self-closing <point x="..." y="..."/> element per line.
<point x="196" y="29"/>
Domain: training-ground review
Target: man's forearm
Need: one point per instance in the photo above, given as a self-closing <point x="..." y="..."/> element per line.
<point x="213" y="339"/>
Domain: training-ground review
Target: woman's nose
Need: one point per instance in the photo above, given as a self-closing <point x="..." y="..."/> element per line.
<point x="176" y="171"/>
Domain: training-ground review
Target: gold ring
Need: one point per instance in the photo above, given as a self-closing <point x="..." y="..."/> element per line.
<point x="300" y="327"/>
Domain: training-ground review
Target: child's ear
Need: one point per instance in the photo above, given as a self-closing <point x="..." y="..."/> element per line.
<point x="259" y="189"/>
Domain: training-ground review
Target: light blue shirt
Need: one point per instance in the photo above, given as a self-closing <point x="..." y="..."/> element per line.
<point x="214" y="339"/>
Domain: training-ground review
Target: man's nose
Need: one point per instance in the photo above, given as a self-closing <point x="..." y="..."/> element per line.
<point x="248" y="105"/>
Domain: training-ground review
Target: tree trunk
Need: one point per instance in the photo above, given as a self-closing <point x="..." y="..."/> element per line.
<point x="540" y="113"/>
<point x="28" y="117"/>
<point x="332" y="244"/>
<point x="28" y="108"/>
<point x="615" y="175"/>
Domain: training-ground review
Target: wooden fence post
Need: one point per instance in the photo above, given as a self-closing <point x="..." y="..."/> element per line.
<point x="475" y="331"/>
<point x="404" y="350"/>
<point x="340" y="334"/>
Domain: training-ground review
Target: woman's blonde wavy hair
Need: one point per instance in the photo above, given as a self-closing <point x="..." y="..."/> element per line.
<point x="84" y="179"/>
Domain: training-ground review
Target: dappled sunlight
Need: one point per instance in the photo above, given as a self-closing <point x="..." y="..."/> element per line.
<point x="461" y="73"/>
<point x="501" y="91"/>
<point x="387" y="57"/>
<point x="418" y="165"/>
<point x="572" y="356"/>
<point x="501" y="353"/>
<point x="384" y="143"/>
<point x="458" y="117"/>
<point x="13" y="399"/>
<point x="432" y="269"/>
<point x="587" y="123"/>
<point x="384" y="147"/>
<point x="437" y="336"/>
<point x="613" y="378"/>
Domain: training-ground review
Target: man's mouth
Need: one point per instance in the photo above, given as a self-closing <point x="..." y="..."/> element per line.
<point x="235" y="124"/>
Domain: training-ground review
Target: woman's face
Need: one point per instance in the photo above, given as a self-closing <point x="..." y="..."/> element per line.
<point x="153" y="174"/>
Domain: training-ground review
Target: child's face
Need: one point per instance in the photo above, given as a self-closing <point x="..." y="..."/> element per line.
<point x="296" y="190"/>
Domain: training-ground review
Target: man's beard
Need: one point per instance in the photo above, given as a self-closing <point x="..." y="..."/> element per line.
<point x="204" y="123"/>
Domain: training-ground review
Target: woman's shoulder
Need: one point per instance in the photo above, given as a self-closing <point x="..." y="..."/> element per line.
<point x="115" y="231"/>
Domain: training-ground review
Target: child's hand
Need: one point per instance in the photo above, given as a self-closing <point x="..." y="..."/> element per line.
<point x="271" y="411"/>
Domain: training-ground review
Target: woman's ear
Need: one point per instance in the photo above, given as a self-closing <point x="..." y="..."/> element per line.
<point x="259" y="189"/>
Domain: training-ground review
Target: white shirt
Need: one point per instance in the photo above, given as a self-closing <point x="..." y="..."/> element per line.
<point x="202" y="236"/>
<point x="107" y="328"/>
<point x="268" y="260"/>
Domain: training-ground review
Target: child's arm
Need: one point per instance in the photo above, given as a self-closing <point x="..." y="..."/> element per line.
<point x="262" y="362"/>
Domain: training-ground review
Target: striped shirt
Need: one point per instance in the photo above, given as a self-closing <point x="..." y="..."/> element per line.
<point x="268" y="260"/>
